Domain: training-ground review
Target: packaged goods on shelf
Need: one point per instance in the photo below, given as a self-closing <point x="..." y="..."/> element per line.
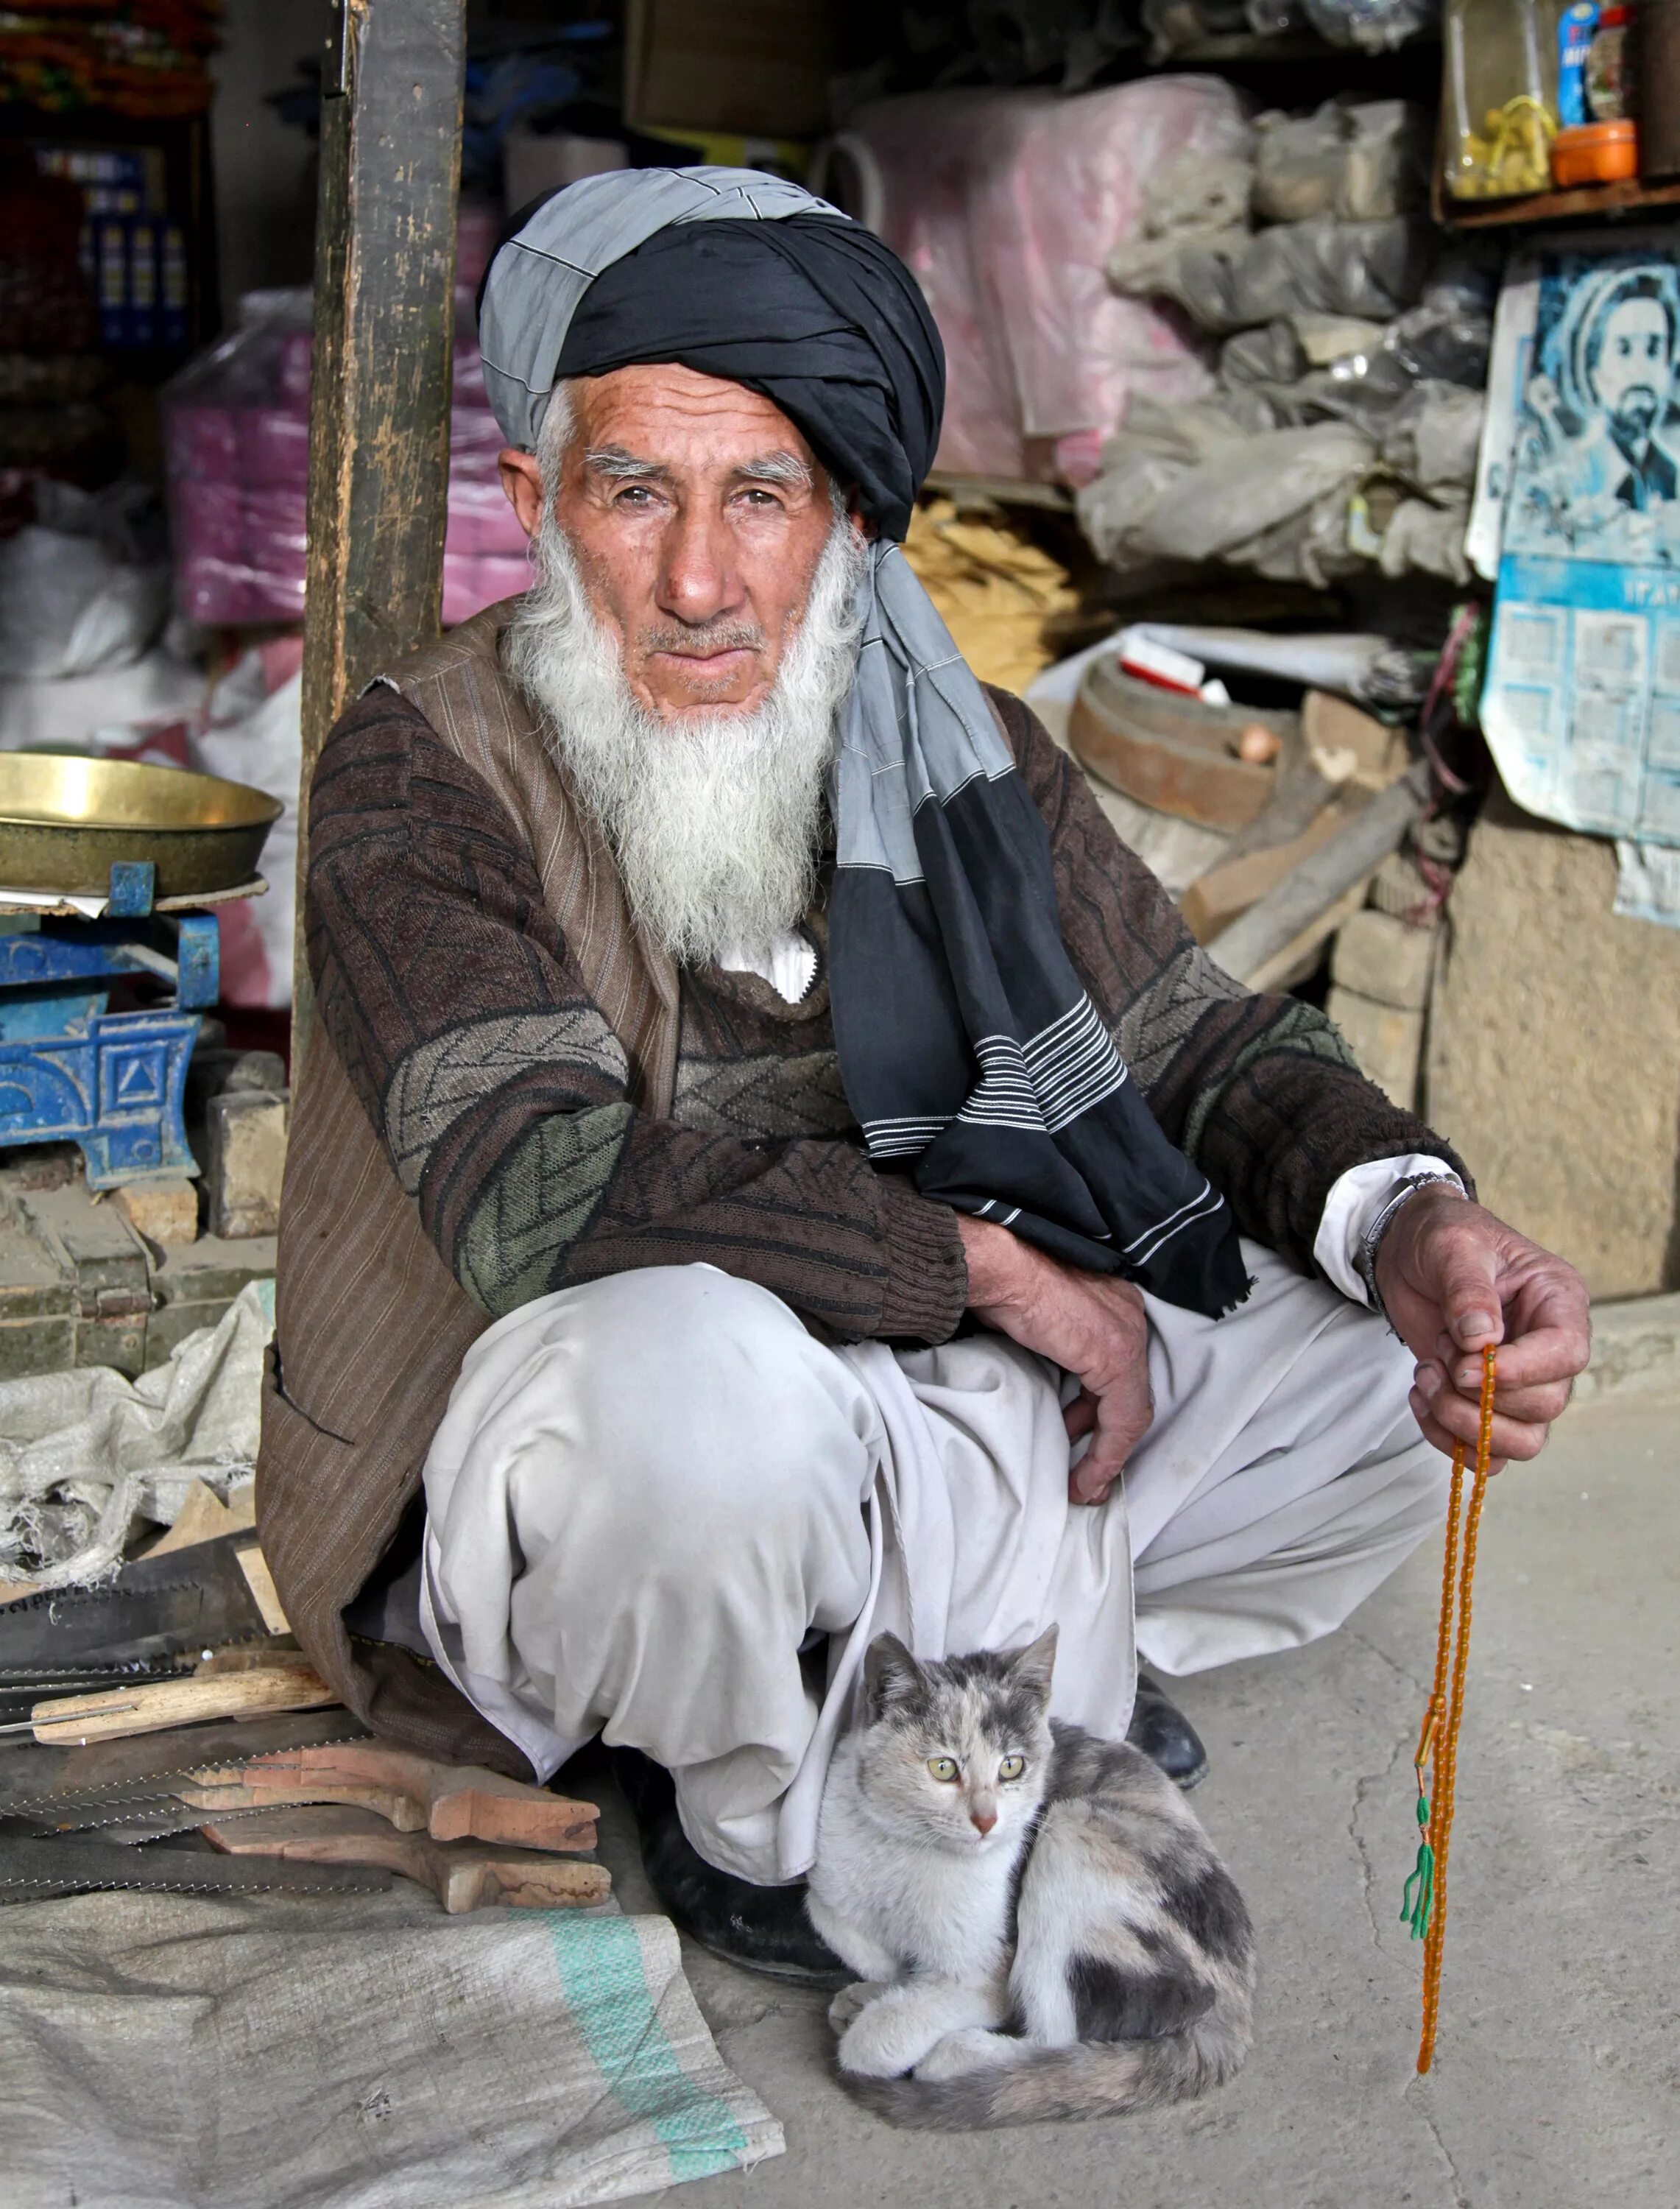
<point x="236" y="441"/>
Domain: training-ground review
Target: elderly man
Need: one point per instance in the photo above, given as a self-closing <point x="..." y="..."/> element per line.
<point x="772" y="1166"/>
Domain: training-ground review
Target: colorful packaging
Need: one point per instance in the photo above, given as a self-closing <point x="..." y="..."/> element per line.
<point x="1575" y="29"/>
<point x="1608" y="75"/>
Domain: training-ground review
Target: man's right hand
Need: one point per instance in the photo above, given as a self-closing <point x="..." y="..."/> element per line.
<point x="1091" y="1324"/>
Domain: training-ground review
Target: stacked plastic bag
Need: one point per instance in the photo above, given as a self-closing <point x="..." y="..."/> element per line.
<point x="1343" y="428"/>
<point x="236" y="436"/>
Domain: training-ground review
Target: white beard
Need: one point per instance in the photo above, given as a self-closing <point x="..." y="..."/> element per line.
<point x="715" y="822"/>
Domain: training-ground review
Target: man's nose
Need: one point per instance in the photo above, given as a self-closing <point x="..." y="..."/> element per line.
<point x="697" y="578"/>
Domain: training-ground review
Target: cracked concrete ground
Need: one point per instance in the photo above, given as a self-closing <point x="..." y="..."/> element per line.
<point x="1556" y="2083"/>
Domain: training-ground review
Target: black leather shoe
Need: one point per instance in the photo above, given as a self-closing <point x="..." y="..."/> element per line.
<point x="1165" y="1735"/>
<point x="763" y="1929"/>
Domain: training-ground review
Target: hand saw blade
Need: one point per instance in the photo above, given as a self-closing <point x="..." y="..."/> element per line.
<point x="30" y="1870"/>
<point x="34" y="1777"/>
<point x="156" y="1606"/>
<point x="144" y="1817"/>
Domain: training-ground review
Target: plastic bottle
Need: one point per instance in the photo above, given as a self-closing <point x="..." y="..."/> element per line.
<point x="1575" y="29"/>
<point x="1609" y="70"/>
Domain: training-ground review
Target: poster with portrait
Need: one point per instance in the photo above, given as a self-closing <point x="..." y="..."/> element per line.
<point x="1582" y="702"/>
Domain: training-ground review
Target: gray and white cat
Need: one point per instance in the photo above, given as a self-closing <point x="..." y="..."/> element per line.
<point x="1041" y="1927"/>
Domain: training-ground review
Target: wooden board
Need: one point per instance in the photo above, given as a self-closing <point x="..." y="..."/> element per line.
<point x="379" y="402"/>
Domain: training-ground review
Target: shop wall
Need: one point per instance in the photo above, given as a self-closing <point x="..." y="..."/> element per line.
<point x="264" y="168"/>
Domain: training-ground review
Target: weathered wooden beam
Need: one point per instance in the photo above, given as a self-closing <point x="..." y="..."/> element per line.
<point x="379" y="406"/>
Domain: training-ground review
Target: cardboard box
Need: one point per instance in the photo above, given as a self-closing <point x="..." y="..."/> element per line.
<point x="757" y="67"/>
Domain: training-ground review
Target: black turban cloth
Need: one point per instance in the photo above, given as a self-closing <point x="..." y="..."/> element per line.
<point x="816" y="313"/>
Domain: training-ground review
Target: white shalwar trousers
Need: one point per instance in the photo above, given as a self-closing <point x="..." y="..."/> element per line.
<point x="652" y="1496"/>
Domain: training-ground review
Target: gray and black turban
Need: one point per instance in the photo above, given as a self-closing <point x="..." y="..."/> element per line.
<point x="737" y="275"/>
<point x="971" y="1053"/>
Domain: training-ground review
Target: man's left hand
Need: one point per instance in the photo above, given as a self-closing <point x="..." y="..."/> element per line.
<point x="1453" y="1278"/>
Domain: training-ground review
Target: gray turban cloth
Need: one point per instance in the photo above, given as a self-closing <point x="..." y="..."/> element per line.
<point x="970" y="1050"/>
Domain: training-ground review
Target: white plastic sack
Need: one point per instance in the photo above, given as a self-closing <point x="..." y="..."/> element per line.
<point x="87" y="1455"/>
<point x="357" y="2051"/>
<point x="69" y="607"/>
<point x="1235" y="282"/>
<point x="1189" y="484"/>
<point x="257" y="736"/>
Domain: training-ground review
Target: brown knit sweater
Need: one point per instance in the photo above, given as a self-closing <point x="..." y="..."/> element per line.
<point x="504" y="1101"/>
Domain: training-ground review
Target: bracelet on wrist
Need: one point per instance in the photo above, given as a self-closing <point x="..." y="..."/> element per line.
<point x="1365" y="1262"/>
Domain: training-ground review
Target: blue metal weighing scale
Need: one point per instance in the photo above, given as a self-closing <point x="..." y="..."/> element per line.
<point x="72" y="1070"/>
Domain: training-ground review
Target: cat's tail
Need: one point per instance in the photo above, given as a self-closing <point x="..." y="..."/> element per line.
<point x="1096" y="2079"/>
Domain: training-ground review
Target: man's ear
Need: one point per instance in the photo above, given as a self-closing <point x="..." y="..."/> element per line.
<point x="1032" y="1667"/>
<point x="855" y="515"/>
<point x="891" y="1674"/>
<point x="523" y="483"/>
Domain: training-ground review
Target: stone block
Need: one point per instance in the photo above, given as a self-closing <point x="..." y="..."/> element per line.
<point x="1379" y="957"/>
<point x="106" y="1264"/>
<point x="1387" y="1041"/>
<point x="162" y="1211"/>
<point x="1555" y="1052"/>
<point x="196" y="1282"/>
<point x="245" y="1134"/>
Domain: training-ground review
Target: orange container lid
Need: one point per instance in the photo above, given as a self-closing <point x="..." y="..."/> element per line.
<point x="1595" y="153"/>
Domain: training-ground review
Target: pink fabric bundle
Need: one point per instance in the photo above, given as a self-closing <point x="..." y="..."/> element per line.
<point x="236" y="434"/>
<point x="1004" y="204"/>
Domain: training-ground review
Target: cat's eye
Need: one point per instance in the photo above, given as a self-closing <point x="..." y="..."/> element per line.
<point x="943" y="1768"/>
<point x="1012" y="1767"/>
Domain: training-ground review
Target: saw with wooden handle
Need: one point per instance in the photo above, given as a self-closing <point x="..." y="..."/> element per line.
<point x="454" y="1801"/>
<point x="36" y="1781"/>
<point x="282" y="1685"/>
<point x="463" y="1875"/>
<point x="31" y="1870"/>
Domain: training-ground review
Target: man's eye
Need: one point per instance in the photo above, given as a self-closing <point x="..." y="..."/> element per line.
<point x="760" y="498"/>
<point x="635" y="495"/>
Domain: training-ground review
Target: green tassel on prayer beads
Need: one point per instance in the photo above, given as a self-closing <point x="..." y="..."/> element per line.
<point x="1419" y="1895"/>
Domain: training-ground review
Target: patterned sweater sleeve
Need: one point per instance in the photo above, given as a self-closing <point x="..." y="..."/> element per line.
<point x="464" y="1023"/>
<point x="1260" y="1091"/>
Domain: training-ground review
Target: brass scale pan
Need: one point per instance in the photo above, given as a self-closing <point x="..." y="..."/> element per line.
<point x="64" y="818"/>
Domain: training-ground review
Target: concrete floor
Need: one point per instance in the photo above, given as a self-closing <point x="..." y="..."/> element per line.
<point x="1556" y="2083"/>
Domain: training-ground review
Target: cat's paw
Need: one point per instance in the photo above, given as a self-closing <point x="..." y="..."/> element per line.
<point x="873" y="2045"/>
<point x="850" y="2002"/>
<point x="960" y="2054"/>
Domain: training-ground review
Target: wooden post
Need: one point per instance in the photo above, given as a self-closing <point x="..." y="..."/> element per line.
<point x="379" y="405"/>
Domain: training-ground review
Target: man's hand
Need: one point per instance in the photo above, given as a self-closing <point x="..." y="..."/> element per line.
<point x="1090" y="1323"/>
<point x="1453" y="1278"/>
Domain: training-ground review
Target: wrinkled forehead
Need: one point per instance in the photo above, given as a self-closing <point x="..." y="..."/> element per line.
<point x="676" y="418"/>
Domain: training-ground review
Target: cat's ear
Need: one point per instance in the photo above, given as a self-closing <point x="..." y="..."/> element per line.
<point x="891" y="1674"/>
<point x="1032" y="1667"/>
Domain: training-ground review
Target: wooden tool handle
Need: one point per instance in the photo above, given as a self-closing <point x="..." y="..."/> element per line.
<point x="159" y="1704"/>
<point x="401" y="1811"/>
<point x="463" y="1875"/>
<point x="461" y="1802"/>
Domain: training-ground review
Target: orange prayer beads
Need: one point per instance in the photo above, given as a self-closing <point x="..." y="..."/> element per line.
<point x="1425" y="1902"/>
